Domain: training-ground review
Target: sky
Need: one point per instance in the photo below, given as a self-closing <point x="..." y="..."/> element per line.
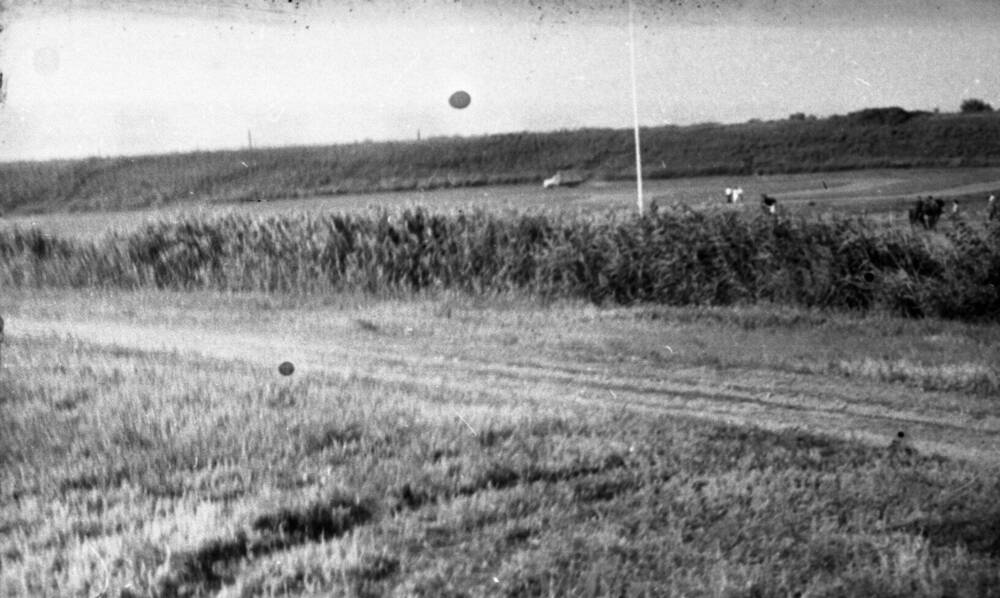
<point x="113" y="77"/>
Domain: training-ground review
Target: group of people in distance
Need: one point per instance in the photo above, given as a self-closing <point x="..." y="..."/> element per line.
<point x="925" y="212"/>
<point x="734" y="195"/>
<point x="767" y="203"/>
<point x="928" y="210"/>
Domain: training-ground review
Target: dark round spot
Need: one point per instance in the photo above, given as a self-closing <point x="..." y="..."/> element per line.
<point x="460" y="99"/>
<point x="900" y="434"/>
<point x="286" y="368"/>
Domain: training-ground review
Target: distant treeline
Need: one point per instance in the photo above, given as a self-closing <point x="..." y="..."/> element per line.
<point x="673" y="257"/>
<point x="872" y="138"/>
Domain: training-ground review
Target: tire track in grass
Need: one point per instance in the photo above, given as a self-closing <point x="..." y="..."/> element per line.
<point x="763" y="398"/>
<point x="216" y="562"/>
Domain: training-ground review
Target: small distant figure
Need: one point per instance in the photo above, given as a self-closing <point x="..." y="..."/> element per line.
<point x="932" y="211"/>
<point x="737" y="194"/>
<point x="954" y="208"/>
<point x="768" y="203"/>
<point x="729" y="195"/>
<point x="916" y="212"/>
<point x="926" y="212"/>
<point x="994" y="208"/>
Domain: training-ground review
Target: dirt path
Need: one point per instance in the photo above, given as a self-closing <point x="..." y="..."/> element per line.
<point x="867" y="411"/>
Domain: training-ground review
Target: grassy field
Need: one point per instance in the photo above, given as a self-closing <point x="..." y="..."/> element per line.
<point x="880" y="193"/>
<point x="484" y="442"/>
<point x="447" y="445"/>
<point x="869" y="139"/>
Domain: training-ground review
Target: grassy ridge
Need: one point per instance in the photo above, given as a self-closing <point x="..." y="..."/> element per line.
<point x="665" y="257"/>
<point x="874" y="138"/>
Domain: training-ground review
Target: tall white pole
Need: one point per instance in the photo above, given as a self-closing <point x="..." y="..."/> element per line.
<point x="635" y="106"/>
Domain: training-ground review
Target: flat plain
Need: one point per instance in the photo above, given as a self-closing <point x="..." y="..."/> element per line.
<point x="441" y="444"/>
<point x="885" y="193"/>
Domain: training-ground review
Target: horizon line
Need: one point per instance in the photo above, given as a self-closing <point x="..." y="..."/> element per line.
<point x="423" y="139"/>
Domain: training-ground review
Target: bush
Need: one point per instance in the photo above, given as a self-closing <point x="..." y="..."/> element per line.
<point x="893" y="115"/>
<point x="975" y="105"/>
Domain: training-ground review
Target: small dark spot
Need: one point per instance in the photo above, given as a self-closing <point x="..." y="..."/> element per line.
<point x="366" y="325"/>
<point x="518" y="535"/>
<point x="409" y="498"/>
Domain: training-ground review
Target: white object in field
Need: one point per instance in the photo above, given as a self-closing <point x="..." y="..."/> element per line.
<point x="565" y="178"/>
<point x="737" y="194"/>
<point x="729" y="195"/>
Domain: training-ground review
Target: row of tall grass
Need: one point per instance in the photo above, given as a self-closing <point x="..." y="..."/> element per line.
<point x="873" y="138"/>
<point x="669" y="256"/>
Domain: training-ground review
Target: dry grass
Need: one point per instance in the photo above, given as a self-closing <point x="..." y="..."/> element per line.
<point x="166" y="473"/>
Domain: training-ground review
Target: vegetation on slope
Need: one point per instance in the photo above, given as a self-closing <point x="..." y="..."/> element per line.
<point x="665" y="257"/>
<point x="880" y="137"/>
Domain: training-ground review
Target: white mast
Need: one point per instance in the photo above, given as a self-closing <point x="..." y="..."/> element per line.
<point x="635" y="107"/>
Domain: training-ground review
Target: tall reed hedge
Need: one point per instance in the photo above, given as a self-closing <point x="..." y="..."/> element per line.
<point x="675" y="257"/>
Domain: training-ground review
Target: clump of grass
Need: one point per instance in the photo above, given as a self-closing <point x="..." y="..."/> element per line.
<point x="971" y="378"/>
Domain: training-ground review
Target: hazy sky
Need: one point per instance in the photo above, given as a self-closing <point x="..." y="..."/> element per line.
<point x="87" y="78"/>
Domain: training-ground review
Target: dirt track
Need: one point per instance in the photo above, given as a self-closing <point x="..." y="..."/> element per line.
<point x="865" y="410"/>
